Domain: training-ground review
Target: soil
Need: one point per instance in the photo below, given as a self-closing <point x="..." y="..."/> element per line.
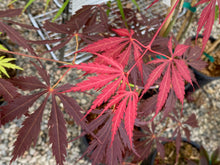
<point x="187" y="152"/>
<point x="213" y="68"/>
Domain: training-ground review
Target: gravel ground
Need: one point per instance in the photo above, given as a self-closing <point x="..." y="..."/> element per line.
<point x="206" y="106"/>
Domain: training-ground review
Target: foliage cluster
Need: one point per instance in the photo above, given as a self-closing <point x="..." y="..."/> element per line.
<point x="130" y="61"/>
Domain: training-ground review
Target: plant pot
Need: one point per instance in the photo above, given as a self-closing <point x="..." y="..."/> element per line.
<point x="188" y="151"/>
<point x="200" y="76"/>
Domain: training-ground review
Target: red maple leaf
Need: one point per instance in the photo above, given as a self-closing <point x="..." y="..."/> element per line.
<point x="110" y="78"/>
<point x="118" y="48"/>
<point x="126" y="102"/>
<point x="174" y="71"/>
<point x="207" y="19"/>
<point x="110" y="75"/>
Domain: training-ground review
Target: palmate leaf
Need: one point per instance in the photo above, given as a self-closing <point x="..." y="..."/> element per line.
<point x="29" y="132"/>
<point x="83" y="23"/>
<point x="7" y="90"/>
<point x="192" y="58"/>
<point x="27" y="83"/>
<point x="207" y="19"/>
<point x="178" y="84"/>
<point x="74" y="110"/>
<point x="163" y="90"/>
<point x="147" y="106"/>
<point x="6" y="63"/>
<point x="182" y="125"/>
<point x="148" y="137"/>
<point x="31" y="125"/>
<point x="175" y="73"/>
<point x="111" y="80"/>
<point x="107" y="152"/>
<point x="118" y="48"/>
<point x="130" y="114"/>
<point x="11" y="111"/>
<point x="57" y="132"/>
<point x="129" y="110"/>
<point x="16" y="37"/>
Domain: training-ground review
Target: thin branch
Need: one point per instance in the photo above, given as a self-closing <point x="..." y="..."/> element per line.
<point x="35" y="57"/>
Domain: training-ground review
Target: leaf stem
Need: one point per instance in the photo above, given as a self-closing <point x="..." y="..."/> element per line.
<point x="148" y="47"/>
<point x="139" y="43"/>
<point x="138" y="60"/>
<point x="73" y="62"/>
<point x="158" y="30"/>
<point x="77" y="47"/>
<point x="159" y="53"/>
<point x="61" y="78"/>
<point x="35" y="57"/>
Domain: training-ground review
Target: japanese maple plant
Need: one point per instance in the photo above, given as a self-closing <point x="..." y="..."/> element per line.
<point x="139" y="77"/>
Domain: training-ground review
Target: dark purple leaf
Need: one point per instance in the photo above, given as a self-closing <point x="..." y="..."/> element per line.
<point x="29" y="132"/>
<point x="7" y="90"/>
<point x="18" y="107"/>
<point x="10" y="12"/>
<point x="160" y="149"/>
<point x="22" y="25"/>
<point x="187" y="133"/>
<point x="16" y="37"/>
<point x="59" y="46"/>
<point x="27" y="83"/>
<point x="178" y="143"/>
<point x="57" y="28"/>
<point x="43" y="73"/>
<point x="57" y="132"/>
<point x="192" y="121"/>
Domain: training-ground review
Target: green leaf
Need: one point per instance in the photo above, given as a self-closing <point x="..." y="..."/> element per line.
<point x="3" y="70"/>
<point x="135" y="3"/>
<point x="28" y="4"/>
<point x="216" y="12"/>
<point x="5" y="63"/>
<point x="47" y="3"/>
<point x="119" y="4"/>
<point x="2" y="47"/>
<point x="109" y="6"/>
<point x="12" y="2"/>
<point x="60" y="11"/>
